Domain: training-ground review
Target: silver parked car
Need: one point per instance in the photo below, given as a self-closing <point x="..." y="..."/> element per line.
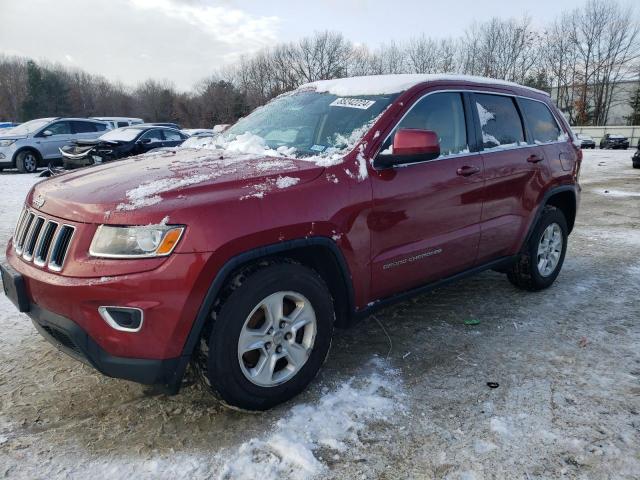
<point x="36" y="143"/>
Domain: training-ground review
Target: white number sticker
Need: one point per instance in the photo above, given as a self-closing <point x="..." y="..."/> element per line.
<point x="359" y="103"/>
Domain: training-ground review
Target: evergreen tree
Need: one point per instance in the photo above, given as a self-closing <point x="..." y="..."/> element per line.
<point x="47" y="93"/>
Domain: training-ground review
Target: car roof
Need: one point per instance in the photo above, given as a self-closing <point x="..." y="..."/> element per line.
<point x="396" y="83"/>
<point x="76" y="119"/>
<point x="156" y="125"/>
<point x="118" y="118"/>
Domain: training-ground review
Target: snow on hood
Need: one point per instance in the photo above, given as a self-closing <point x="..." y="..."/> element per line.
<point x="146" y="180"/>
<point x="388" y="84"/>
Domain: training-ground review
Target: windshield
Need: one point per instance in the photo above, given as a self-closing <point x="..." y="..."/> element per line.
<point x="121" y="134"/>
<point x="311" y="122"/>
<point x="28" y="127"/>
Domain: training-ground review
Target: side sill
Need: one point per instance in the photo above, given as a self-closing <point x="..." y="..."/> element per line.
<point x="399" y="297"/>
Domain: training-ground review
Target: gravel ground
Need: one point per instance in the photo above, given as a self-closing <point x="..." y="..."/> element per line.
<point x="413" y="404"/>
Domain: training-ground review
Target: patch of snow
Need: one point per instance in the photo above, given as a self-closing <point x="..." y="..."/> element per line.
<point x="333" y="423"/>
<point x="616" y="193"/>
<point x="482" y="447"/>
<point x="499" y="426"/>
<point x="388" y="84"/>
<point x="332" y="178"/>
<point x="363" y="173"/>
<point x="147" y="194"/>
<point x="484" y="115"/>
<point x="285" y="182"/>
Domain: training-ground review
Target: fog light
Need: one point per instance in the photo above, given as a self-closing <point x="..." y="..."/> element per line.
<point x="125" y="319"/>
<point x="1" y="156"/>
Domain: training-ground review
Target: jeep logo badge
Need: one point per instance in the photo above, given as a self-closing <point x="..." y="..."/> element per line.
<point x="38" y="202"/>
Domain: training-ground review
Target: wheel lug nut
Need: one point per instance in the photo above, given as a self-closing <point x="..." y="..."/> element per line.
<point x="278" y="349"/>
<point x="288" y="336"/>
<point x="267" y="345"/>
<point x="283" y="324"/>
<point x="270" y="332"/>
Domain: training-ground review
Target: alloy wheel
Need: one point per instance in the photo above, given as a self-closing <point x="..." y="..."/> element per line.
<point x="549" y="249"/>
<point x="277" y="338"/>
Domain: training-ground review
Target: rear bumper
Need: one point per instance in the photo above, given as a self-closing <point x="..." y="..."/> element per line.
<point x="71" y="339"/>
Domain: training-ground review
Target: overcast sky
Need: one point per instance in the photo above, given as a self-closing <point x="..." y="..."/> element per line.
<point x="186" y="40"/>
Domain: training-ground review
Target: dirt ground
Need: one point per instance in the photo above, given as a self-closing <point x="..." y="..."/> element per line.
<point x="413" y="404"/>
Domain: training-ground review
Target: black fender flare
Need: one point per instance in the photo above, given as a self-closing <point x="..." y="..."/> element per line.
<point x="548" y="194"/>
<point x="22" y="149"/>
<point x="175" y="380"/>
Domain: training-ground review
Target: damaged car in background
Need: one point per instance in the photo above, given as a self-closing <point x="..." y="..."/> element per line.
<point x="119" y="143"/>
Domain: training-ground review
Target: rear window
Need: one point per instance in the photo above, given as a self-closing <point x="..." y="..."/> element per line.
<point x="499" y="120"/>
<point x="541" y="122"/>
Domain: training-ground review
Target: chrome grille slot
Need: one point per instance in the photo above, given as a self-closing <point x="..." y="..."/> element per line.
<point x="24" y="230"/>
<point x="32" y="238"/>
<point x="60" y="246"/>
<point x="44" y="244"/>
<point x="42" y="241"/>
<point x="23" y="215"/>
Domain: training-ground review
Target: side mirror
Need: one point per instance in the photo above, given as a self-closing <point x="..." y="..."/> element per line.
<point x="409" y="146"/>
<point x="145" y="140"/>
<point x="47" y="133"/>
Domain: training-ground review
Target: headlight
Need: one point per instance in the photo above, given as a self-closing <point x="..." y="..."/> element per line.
<point x="135" y="242"/>
<point x="6" y="143"/>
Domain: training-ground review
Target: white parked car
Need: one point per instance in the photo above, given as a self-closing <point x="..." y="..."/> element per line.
<point x="117" y="122"/>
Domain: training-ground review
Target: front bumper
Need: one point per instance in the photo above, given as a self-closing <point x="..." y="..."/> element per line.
<point x="68" y="337"/>
<point x="72" y="339"/>
<point x="169" y="295"/>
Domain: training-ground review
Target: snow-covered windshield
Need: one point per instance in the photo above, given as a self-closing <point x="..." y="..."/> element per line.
<point x="27" y="127"/>
<point x="310" y="122"/>
<point x="125" y="134"/>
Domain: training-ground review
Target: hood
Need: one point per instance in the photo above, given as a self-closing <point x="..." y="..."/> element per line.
<point x="7" y="136"/>
<point x="153" y="184"/>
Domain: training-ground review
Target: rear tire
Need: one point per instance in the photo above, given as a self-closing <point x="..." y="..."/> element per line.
<point x="540" y="263"/>
<point x="270" y="334"/>
<point x="27" y="161"/>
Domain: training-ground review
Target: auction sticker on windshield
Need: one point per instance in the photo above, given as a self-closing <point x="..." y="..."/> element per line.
<point x="360" y="103"/>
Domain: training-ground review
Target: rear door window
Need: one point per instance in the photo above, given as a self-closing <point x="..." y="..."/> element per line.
<point x="500" y="121"/>
<point x="123" y="124"/>
<point x="172" y="136"/>
<point x="84" y="127"/>
<point x="442" y="113"/>
<point x="541" y="122"/>
<point x="153" y="135"/>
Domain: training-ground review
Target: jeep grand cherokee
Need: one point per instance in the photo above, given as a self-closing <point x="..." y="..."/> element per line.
<point x="318" y="208"/>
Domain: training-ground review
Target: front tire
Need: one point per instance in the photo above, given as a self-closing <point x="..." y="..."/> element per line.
<point x="540" y="263"/>
<point x="270" y="334"/>
<point x="27" y="161"/>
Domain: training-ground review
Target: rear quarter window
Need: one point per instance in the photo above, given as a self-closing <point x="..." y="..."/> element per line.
<point x="541" y="122"/>
<point x="500" y="121"/>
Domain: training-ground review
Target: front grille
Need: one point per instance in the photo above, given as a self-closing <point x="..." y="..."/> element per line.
<point x="62" y="338"/>
<point x="42" y="241"/>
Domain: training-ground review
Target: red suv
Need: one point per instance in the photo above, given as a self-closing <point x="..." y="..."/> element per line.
<point x="318" y="208"/>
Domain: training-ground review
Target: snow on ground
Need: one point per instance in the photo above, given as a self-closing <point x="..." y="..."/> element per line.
<point x="566" y="361"/>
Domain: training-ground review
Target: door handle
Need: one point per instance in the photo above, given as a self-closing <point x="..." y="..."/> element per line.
<point x="534" y="158"/>
<point x="467" y="170"/>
